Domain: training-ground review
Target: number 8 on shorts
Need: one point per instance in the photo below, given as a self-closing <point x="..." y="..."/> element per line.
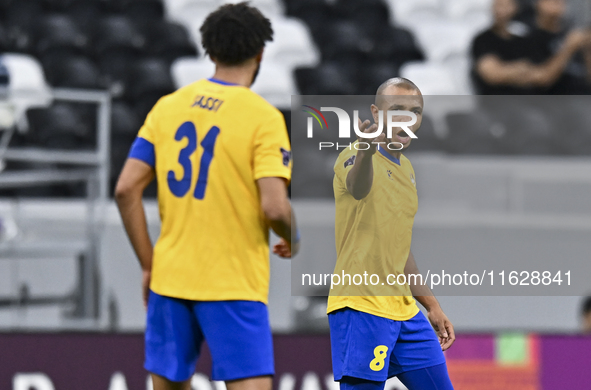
<point x="380" y="353"/>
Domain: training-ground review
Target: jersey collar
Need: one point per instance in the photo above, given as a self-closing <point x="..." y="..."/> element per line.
<point x="388" y="156"/>
<point x="220" y="81"/>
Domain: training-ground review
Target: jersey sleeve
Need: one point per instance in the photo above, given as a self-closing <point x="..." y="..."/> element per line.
<point x="143" y="147"/>
<point x="272" y="151"/>
<point x="342" y="166"/>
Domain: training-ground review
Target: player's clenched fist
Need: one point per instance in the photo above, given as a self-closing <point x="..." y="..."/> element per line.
<point x="373" y="142"/>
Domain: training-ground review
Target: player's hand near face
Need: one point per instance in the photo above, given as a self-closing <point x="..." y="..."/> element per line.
<point x="360" y="177"/>
<point x="366" y="127"/>
<point x="443" y="328"/>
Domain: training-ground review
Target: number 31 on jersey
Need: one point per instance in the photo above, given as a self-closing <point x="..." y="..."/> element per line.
<point x="179" y="188"/>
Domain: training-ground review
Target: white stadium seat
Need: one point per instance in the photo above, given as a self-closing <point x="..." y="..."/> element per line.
<point x="431" y="78"/>
<point x="191" y="14"/>
<point x="442" y="38"/>
<point x="466" y="8"/>
<point x="27" y="88"/>
<point x="292" y="44"/>
<point x="405" y="12"/>
<point x="275" y="82"/>
<point x="189" y="69"/>
<point x="269" y="8"/>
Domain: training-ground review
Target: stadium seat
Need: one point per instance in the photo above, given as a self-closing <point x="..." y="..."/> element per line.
<point x="27" y="88"/>
<point x="117" y="32"/>
<point x="313" y="12"/>
<point x="373" y="75"/>
<point x="73" y="72"/>
<point x="292" y="44"/>
<point x="472" y="133"/>
<point x="395" y="45"/>
<point x="57" y="35"/>
<point x="5" y="45"/>
<point x="343" y="40"/>
<point x="461" y="9"/>
<point x="326" y="79"/>
<point x="276" y="84"/>
<point x="117" y="44"/>
<point x="269" y="8"/>
<point x="85" y="14"/>
<point x="370" y="15"/>
<point x="168" y="40"/>
<point x="188" y="70"/>
<point x="460" y="67"/>
<point x="147" y="81"/>
<point x="406" y="12"/>
<point x="191" y="14"/>
<point x="431" y="78"/>
<point x="62" y="126"/>
<point x="143" y="11"/>
<point x="427" y="138"/>
<point x="442" y="38"/>
<point x="124" y="121"/>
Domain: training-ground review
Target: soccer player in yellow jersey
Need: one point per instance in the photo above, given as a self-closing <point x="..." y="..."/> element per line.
<point x="377" y="330"/>
<point x="221" y="157"/>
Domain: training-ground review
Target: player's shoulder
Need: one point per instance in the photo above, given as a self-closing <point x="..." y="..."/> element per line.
<point x="346" y="158"/>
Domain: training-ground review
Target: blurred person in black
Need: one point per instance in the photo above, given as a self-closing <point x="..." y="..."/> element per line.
<point x="549" y="34"/>
<point x="504" y="62"/>
<point x="586" y="316"/>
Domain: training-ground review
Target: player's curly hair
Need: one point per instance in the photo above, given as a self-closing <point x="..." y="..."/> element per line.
<point x="234" y="33"/>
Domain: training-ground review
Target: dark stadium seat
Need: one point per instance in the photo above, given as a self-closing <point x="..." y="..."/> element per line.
<point x="370" y="15"/>
<point x="19" y="19"/>
<point x="427" y="139"/>
<point x="5" y="44"/>
<point x="58" y="35"/>
<point x="396" y="45"/>
<point x="374" y="74"/>
<point x="342" y="39"/>
<point x="147" y="81"/>
<point x="473" y="133"/>
<point x="143" y="11"/>
<point x="326" y="79"/>
<point x="168" y="40"/>
<point x="313" y="12"/>
<point x="73" y="72"/>
<point x="117" y="32"/>
<point x="117" y="44"/>
<point x="124" y="121"/>
<point x="86" y="13"/>
<point x="63" y="126"/>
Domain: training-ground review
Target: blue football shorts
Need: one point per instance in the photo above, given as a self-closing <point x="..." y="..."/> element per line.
<point x="238" y="335"/>
<point x="375" y="348"/>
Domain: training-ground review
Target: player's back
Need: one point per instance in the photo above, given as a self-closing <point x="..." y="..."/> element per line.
<point x="212" y="141"/>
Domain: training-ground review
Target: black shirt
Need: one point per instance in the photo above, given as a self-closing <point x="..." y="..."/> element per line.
<point x="506" y="49"/>
<point x="543" y="45"/>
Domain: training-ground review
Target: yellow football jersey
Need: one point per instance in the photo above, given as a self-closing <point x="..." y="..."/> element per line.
<point x="373" y="236"/>
<point x="210" y="142"/>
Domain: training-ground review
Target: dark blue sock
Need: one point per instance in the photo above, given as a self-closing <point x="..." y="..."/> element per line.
<point x="350" y="383"/>
<point x="431" y="378"/>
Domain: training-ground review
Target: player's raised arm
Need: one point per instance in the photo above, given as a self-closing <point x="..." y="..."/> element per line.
<point x="277" y="208"/>
<point x="134" y="179"/>
<point x="360" y="177"/>
<point x="422" y="293"/>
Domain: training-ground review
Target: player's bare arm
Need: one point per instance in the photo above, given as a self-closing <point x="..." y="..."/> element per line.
<point x="360" y="177"/>
<point x="134" y="178"/>
<point x="422" y="293"/>
<point x="277" y="208"/>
